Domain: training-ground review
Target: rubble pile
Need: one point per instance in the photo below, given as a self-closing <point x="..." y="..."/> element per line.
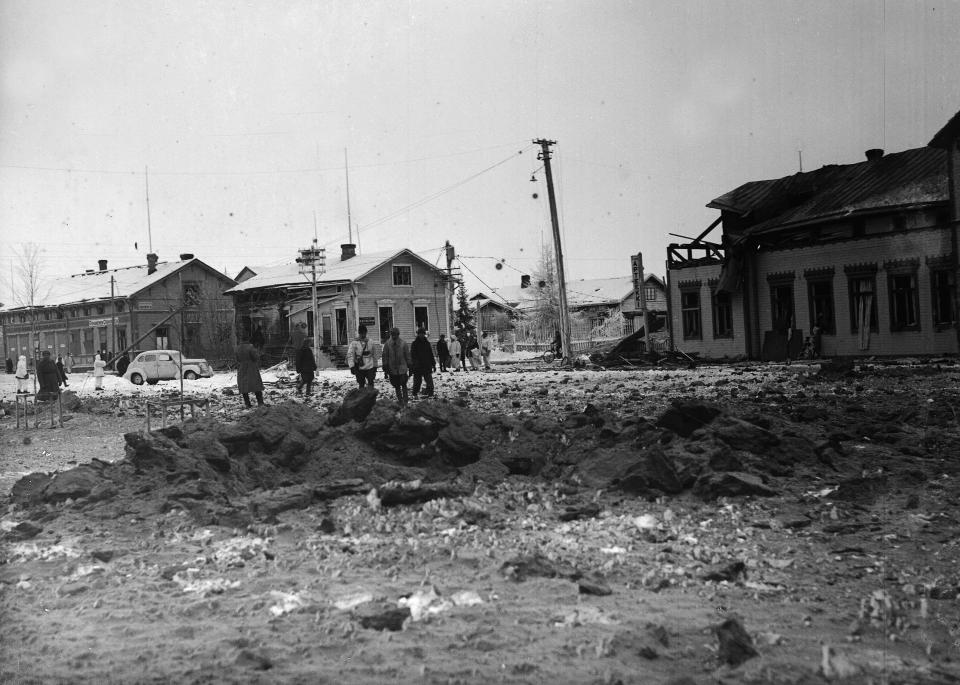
<point x="290" y="455"/>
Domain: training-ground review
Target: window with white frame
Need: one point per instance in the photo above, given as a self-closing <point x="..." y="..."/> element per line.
<point x="402" y="274"/>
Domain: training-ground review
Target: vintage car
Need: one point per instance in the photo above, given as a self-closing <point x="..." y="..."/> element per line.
<point x="164" y="365"/>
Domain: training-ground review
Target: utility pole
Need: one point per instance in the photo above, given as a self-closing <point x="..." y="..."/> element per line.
<point x="451" y="255"/>
<point x="310" y="260"/>
<point x="113" y="320"/>
<point x="565" y="331"/>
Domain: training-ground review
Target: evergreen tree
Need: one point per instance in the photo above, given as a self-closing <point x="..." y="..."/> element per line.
<point x="463" y="317"/>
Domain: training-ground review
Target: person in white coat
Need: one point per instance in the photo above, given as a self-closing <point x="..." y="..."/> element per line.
<point x="21" y="375"/>
<point x="98" y="365"/>
<point x="455" y="349"/>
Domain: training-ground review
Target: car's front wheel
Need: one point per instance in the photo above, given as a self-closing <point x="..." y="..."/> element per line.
<point x="190" y="376"/>
<point x="136" y="379"/>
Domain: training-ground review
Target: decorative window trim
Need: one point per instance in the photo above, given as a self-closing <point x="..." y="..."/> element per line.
<point x="421" y="302"/>
<point x="385" y="303"/>
<point x="781" y="277"/>
<point x="819" y="274"/>
<point x="900" y="267"/>
<point x="939" y="262"/>
<point x="862" y="269"/>
<point x="689" y="285"/>
<point x="712" y="283"/>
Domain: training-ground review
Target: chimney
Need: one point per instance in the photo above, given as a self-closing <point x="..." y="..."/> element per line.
<point x="347" y="251"/>
<point x="525" y="281"/>
<point x="874" y="154"/>
<point x="151" y="263"/>
<point x="103" y="264"/>
<point x="186" y="256"/>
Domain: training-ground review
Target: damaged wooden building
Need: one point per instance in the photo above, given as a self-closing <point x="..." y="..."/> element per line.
<point x="866" y="253"/>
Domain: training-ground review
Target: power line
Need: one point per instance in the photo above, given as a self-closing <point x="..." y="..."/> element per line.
<point x="305" y="170"/>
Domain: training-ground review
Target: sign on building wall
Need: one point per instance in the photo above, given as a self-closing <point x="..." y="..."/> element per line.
<point x="144" y="305"/>
<point x="368" y="320"/>
<point x="99" y="323"/>
<point x="636" y="261"/>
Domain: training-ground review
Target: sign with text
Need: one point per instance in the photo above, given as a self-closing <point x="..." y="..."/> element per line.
<point x="636" y="262"/>
<point x="97" y="323"/>
<point x="368" y="320"/>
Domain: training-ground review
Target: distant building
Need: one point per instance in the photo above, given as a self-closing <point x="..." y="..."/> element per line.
<point x="381" y="290"/>
<point x="595" y="300"/>
<point x="178" y="305"/>
<point x="867" y="252"/>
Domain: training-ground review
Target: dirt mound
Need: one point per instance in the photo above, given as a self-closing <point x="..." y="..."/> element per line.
<point x="289" y="455"/>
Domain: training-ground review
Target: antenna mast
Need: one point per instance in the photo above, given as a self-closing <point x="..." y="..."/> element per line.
<point x="346" y="168"/>
<point x="146" y="178"/>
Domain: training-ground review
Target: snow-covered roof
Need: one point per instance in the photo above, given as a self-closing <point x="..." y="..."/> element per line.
<point x="88" y="287"/>
<point x="338" y="271"/>
<point x="585" y="292"/>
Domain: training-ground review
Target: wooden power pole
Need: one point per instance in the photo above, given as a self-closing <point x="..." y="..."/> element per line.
<point x="565" y="332"/>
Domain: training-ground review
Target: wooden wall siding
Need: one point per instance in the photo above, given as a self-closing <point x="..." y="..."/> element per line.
<point x="140" y="313"/>
<point x="875" y="248"/>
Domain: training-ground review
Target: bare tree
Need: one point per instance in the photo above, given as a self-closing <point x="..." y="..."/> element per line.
<point x="30" y="288"/>
<point x="544" y="316"/>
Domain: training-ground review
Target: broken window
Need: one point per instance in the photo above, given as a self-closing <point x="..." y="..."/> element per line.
<point x="942" y="289"/>
<point x="820" y="298"/>
<point x="191" y="293"/>
<point x="781" y="306"/>
<point x="690" y="311"/>
<point x="421" y="318"/>
<point x="903" y="302"/>
<point x="722" y="315"/>
<point x="863" y="304"/>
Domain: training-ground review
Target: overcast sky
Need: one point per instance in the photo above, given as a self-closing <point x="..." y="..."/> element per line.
<point x="241" y="113"/>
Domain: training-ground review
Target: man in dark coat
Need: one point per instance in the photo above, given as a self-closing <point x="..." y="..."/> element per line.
<point x="306" y="365"/>
<point x="123" y="363"/>
<point x="248" y="373"/>
<point x="443" y="353"/>
<point x="421" y="354"/>
<point x="48" y="377"/>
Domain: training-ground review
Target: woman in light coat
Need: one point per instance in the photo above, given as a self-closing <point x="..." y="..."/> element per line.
<point x="21" y="375"/>
<point x="455" y="349"/>
<point x="98" y="365"/>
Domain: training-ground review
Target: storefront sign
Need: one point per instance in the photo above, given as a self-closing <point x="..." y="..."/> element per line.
<point x="144" y="305"/>
<point x="97" y="323"/>
<point x="368" y="320"/>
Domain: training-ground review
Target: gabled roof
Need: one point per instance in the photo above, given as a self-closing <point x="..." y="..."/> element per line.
<point x="900" y="180"/>
<point x="127" y="281"/>
<point x="582" y="293"/>
<point x="339" y="271"/>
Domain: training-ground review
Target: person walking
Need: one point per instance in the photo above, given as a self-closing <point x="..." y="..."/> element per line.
<point x="98" y="365"/>
<point x="456" y="349"/>
<point x="443" y="353"/>
<point x="485" y="349"/>
<point x="306" y="365"/>
<point x="21" y="375"/>
<point x="362" y="358"/>
<point x="424" y="364"/>
<point x="61" y="372"/>
<point x="248" y="373"/>
<point x="48" y="377"/>
<point x="396" y="364"/>
<point x="473" y="352"/>
<point x="68" y="363"/>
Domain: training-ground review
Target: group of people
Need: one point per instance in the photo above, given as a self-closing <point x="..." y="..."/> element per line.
<point x="52" y="375"/>
<point x="399" y="360"/>
<point x="463" y="348"/>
